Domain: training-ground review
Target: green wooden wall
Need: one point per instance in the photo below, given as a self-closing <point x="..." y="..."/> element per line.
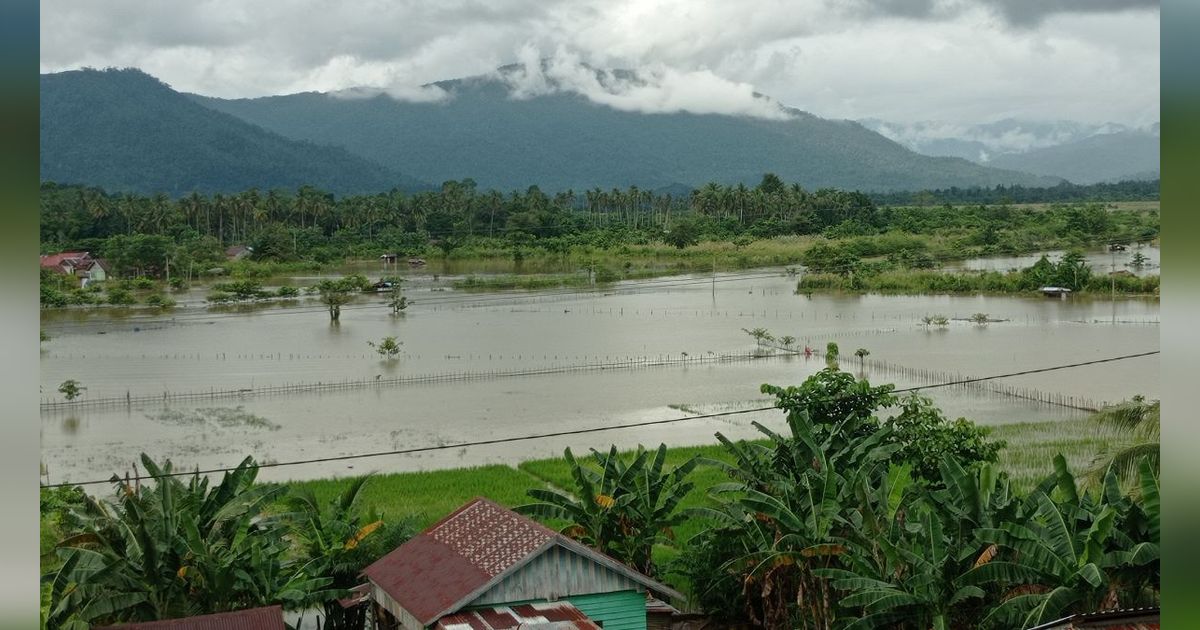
<point x="621" y="610"/>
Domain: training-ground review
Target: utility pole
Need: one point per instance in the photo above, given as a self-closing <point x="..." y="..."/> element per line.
<point x="1113" y="281"/>
<point x="714" y="278"/>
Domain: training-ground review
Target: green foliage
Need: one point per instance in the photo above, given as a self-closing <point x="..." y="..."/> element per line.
<point x="830" y="258"/>
<point x="120" y="296"/>
<point x="159" y="300"/>
<point x="339" y="541"/>
<point x="823" y="526"/>
<point x="1134" y="429"/>
<point x="71" y="389"/>
<point x="387" y="347"/>
<point x="173" y="548"/>
<point x="287" y="292"/>
<point x="926" y="438"/>
<point x="620" y="507"/>
<point x="242" y="289"/>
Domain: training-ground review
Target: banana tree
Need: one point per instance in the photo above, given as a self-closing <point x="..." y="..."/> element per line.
<point x="621" y="508"/>
<point x="174" y="549"/>
<point x="1062" y="557"/>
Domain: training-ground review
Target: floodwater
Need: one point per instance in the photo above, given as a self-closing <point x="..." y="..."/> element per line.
<point x="686" y="317"/>
<point x="1100" y="259"/>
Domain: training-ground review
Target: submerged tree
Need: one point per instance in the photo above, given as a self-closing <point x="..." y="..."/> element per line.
<point x="862" y="354"/>
<point x="71" y="389"/>
<point x="387" y="347"/>
<point x="980" y="319"/>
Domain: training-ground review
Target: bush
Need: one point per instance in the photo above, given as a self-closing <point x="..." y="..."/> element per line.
<point x="143" y="283"/>
<point x="120" y="296"/>
<point x="159" y="300"/>
<point x="220" y="297"/>
<point x="287" y="292"/>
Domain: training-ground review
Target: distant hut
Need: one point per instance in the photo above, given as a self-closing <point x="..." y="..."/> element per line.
<point x="238" y="252"/>
<point x="1058" y="292"/>
<point x="486" y="561"/>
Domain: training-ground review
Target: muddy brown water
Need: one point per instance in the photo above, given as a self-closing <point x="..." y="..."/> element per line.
<point x="114" y="354"/>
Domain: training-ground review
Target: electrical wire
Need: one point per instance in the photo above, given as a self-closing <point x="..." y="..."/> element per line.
<point x="583" y="431"/>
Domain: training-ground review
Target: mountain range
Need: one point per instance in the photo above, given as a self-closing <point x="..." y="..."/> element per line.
<point x="125" y="130"/>
<point x="1081" y="153"/>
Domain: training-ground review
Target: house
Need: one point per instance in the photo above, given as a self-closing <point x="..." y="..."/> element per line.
<point x="65" y="262"/>
<point x="266" y="618"/>
<point x="238" y="252"/>
<point x="93" y="270"/>
<point x="78" y="264"/>
<point x="1122" y="619"/>
<point x="484" y="556"/>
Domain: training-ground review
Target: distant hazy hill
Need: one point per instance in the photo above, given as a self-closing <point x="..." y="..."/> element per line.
<point x="124" y="130"/>
<point x="562" y="140"/>
<point x="1132" y="154"/>
<point x="1081" y="153"/>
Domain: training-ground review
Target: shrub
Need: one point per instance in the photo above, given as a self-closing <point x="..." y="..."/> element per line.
<point x="120" y="296"/>
<point x="159" y="300"/>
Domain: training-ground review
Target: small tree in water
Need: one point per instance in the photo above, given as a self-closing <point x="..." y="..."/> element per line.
<point x="71" y="389"/>
<point x="397" y="301"/>
<point x="862" y="354"/>
<point x="831" y="354"/>
<point x="388" y="347"/>
<point x="980" y="319"/>
<point x="334" y="294"/>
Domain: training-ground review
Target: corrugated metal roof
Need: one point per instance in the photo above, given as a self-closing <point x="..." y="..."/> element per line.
<point x="266" y="618"/>
<point x="55" y="260"/>
<point x="457" y="558"/>
<point x="553" y="615"/>
<point x="1115" y="619"/>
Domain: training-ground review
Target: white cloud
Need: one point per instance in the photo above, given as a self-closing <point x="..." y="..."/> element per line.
<point x="961" y="61"/>
<point x="652" y="88"/>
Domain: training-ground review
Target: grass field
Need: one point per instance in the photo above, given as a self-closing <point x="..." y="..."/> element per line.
<point x="427" y="496"/>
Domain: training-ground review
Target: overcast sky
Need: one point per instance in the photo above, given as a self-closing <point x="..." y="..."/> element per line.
<point x="953" y="61"/>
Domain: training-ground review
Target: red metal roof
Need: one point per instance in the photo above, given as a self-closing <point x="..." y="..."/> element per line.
<point x="266" y="618"/>
<point x="453" y="560"/>
<point x="56" y="260"/>
<point x="557" y="615"/>
<point x="456" y="556"/>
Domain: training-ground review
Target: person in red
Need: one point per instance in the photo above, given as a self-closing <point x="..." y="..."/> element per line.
<point x="807" y="351"/>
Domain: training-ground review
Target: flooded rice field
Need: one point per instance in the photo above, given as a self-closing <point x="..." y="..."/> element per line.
<point x="549" y="361"/>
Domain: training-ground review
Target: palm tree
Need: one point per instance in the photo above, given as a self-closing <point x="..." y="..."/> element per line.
<point x="1135" y="427"/>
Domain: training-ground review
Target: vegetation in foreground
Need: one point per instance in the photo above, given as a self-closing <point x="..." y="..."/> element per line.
<point x="904" y="521"/>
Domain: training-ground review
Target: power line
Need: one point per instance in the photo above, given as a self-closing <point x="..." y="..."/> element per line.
<point x="588" y="430"/>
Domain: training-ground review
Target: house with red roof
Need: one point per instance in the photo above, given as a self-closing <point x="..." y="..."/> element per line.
<point x="265" y="618"/>
<point x="485" y="567"/>
<point x="78" y="264"/>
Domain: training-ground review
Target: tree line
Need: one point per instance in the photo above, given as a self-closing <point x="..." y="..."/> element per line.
<point x="143" y="234"/>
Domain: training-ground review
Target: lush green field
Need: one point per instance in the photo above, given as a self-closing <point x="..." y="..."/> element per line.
<point x="427" y="496"/>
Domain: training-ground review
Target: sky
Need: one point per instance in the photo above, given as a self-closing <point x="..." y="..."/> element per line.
<point x="953" y="62"/>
